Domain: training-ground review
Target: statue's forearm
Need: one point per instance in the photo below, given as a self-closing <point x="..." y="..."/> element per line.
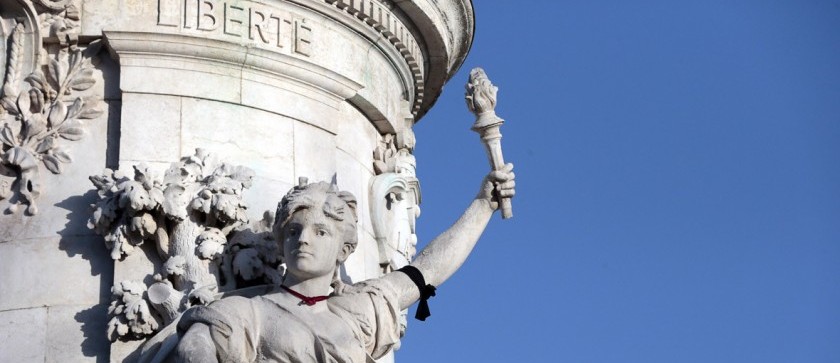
<point x="446" y="253"/>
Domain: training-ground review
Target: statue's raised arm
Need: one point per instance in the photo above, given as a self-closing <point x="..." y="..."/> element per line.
<point x="448" y="251"/>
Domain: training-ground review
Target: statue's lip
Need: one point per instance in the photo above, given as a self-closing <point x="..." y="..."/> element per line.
<point x="298" y="252"/>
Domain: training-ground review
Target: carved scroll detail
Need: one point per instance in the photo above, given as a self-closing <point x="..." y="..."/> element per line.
<point x="196" y="219"/>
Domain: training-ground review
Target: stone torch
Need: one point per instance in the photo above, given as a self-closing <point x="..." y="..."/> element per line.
<point x="481" y="100"/>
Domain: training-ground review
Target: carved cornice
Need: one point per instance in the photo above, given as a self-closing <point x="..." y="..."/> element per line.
<point x="381" y="16"/>
<point x="183" y="46"/>
<point x="445" y="28"/>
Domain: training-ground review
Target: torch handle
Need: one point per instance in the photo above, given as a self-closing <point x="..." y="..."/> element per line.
<point x="506" y="207"/>
<point x="492" y="140"/>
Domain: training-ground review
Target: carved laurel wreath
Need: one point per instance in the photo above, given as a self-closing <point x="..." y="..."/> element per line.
<point x="37" y="119"/>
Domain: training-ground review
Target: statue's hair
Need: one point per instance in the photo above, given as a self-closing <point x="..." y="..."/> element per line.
<point x="337" y="205"/>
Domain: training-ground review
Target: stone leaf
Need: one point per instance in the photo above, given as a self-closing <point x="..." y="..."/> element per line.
<point x="247" y="264"/>
<point x="211" y="243"/>
<point x="58" y="113"/>
<point x="52" y="164"/>
<point x="7" y="136"/>
<point x="175" y="202"/>
<point x="84" y="81"/>
<point x="175" y="265"/>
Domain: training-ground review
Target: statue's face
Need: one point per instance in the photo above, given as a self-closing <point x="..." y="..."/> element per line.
<point x="312" y="245"/>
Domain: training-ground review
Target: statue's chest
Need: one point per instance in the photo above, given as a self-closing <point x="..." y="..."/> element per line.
<point x="304" y="336"/>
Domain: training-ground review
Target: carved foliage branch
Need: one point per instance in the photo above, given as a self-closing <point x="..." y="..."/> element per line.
<point x="131" y="315"/>
<point x="196" y="218"/>
<point x="36" y="121"/>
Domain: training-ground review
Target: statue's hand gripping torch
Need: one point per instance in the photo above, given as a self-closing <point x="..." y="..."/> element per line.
<point x="481" y="100"/>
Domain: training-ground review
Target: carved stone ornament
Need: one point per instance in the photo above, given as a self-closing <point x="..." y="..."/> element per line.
<point x="44" y="102"/>
<point x="395" y="200"/>
<point x="55" y="4"/>
<point x="196" y="219"/>
<point x="395" y="204"/>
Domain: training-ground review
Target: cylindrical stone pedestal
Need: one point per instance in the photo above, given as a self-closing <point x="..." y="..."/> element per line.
<point x="323" y="89"/>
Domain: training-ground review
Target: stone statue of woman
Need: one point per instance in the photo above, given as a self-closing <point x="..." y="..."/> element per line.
<point x="313" y="317"/>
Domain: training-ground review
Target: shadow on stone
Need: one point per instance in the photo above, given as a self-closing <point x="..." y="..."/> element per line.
<point x="90" y="247"/>
<point x="77" y="239"/>
<point x="94" y="323"/>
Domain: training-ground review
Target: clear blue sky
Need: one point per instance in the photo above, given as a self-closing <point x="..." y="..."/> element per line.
<point x="678" y="171"/>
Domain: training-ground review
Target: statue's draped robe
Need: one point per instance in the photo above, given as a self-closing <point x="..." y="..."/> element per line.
<point x="260" y="330"/>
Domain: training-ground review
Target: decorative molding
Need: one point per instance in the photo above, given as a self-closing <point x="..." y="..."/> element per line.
<point x="381" y="16"/>
<point x="45" y="107"/>
<point x="195" y="218"/>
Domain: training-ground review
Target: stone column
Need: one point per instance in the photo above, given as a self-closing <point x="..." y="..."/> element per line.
<point x="323" y="89"/>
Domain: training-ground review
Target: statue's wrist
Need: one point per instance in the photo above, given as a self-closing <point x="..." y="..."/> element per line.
<point x="486" y="202"/>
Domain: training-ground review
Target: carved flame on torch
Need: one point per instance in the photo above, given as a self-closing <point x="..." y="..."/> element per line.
<point x="481" y="100"/>
<point x="481" y="93"/>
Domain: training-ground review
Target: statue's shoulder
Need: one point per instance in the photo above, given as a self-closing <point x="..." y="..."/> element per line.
<point x="377" y="286"/>
<point x="230" y="304"/>
<point x="364" y="297"/>
<point x="235" y="307"/>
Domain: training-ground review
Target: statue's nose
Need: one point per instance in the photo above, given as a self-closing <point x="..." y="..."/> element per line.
<point x="305" y="236"/>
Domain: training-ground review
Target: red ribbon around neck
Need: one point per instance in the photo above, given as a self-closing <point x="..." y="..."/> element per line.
<point x="308" y="300"/>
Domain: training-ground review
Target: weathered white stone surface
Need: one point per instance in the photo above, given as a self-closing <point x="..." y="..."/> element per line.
<point x="75" y="331"/>
<point x="150" y="117"/>
<point x="24" y="335"/>
<point x="53" y="271"/>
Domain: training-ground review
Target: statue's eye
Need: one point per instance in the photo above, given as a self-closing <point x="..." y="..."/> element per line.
<point x="294" y="231"/>
<point x="322" y="232"/>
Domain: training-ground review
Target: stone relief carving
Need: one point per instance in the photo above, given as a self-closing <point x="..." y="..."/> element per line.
<point x="395" y="200"/>
<point x="44" y="102"/>
<point x="56" y="5"/>
<point x="131" y="313"/>
<point x="59" y="18"/>
<point x="196" y="219"/>
<point x="395" y="204"/>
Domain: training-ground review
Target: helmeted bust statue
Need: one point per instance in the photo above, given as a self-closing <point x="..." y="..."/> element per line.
<point x="313" y="316"/>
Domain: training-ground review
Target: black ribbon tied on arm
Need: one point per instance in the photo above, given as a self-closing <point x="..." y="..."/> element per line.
<point x="426" y="291"/>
